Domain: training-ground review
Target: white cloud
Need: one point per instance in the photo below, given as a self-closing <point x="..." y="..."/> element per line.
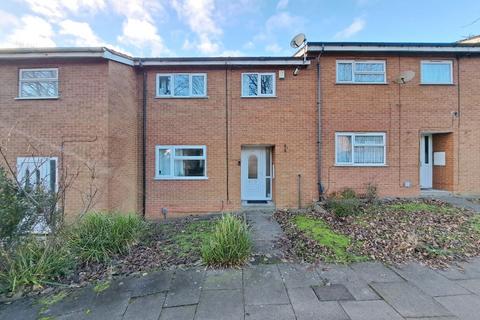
<point x="283" y="21"/>
<point x="81" y="32"/>
<point x="355" y="27"/>
<point x="249" y="45"/>
<point x="31" y="31"/>
<point x="142" y="33"/>
<point x="273" y="47"/>
<point x="232" y="53"/>
<point x="58" y="9"/>
<point x="199" y="15"/>
<point x="7" y="19"/>
<point x="282" y="4"/>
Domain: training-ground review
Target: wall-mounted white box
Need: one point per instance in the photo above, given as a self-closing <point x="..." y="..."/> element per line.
<point x="439" y="158"/>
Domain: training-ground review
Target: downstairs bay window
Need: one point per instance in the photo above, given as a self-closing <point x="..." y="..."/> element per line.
<point x="360" y="149"/>
<point x="181" y="162"/>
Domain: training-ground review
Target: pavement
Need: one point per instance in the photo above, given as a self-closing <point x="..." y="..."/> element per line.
<point x="455" y="200"/>
<point x="363" y="291"/>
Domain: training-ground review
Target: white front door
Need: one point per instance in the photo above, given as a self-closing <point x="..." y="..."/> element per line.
<point x="254" y="174"/>
<point x="426" y="159"/>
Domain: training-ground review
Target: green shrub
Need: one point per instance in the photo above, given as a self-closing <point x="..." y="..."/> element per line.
<point x="371" y="193"/>
<point x="33" y="262"/>
<point x="348" y="193"/>
<point x="229" y="244"/>
<point x="98" y="236"/>
<point x="344" y="207"/>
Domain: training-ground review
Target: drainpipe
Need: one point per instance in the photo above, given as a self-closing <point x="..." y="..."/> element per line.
<point x="319" y="128"/>
<point x="144" y="139"/>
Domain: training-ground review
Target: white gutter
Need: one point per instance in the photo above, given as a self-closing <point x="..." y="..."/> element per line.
<point x="118" y="58"/>
<point x="35" y="55"/>
<point x="222" y="62"/>
<point x="366" y="48"/>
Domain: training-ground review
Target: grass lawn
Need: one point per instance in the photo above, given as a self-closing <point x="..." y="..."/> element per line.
<point x="428" y="231"/>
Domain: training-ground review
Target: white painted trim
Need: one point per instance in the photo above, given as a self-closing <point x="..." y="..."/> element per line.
<point x="450" y="62"/>
<point x="173" y="158"/>
<point x="373" y="48"/>
<point x="353" y="63"/>
<point x="115" y="57"/>
<point x="352" y="163"/>
<point x="225" y="62"/>
<point x="259" y="85"/>
<point x="172" y="85"/>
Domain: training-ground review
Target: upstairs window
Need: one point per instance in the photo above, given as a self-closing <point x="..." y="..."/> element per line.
<point x="181" y="85"/>
<point x="360" y="149"/>
<point x="38" y="83"/>
<point x="350" y="71"/>
<point x="436" y="72"/>
<point x="258" y="84"/>
<point x="181" y="162"/>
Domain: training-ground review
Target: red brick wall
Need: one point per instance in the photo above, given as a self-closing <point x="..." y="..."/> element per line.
<point x="403" y="112"/>
<point x="286" y="122"/>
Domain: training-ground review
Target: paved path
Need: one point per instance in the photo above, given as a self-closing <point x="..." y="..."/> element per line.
<point x="364" y="291"/>
<point x="454" y="200"/>
<point x="265" y="231"/>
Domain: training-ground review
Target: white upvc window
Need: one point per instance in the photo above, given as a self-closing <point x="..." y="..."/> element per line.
<point x="181" y="85"/>
<point x="258" y="84"/>
<point x="436" y="71"/>
<point x="181" y="162"/>
<point x="360" y="149"/>
<point x="40" y="83"/>
<point x="366" y="72"/>
<point x="36" y="172"/>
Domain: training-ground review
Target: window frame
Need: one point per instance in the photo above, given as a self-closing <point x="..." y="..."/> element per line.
<point x="174" y="157"/>
<point x="36" y="160"/>
<point x="446" y="61"/>
<point x="352" y="135"/>
<point x="172" y="85"/>
<point x="20" y="81"/>
<point x="259" y="87"/>
<point x="353" y="63"/>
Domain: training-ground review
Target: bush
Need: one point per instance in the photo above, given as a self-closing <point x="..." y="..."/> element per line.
<point x="348" y="193"/>
<point x="33" y="263"/>
<point x="344" y="207"/>
<point x="371" y="193"/>
<point x="229" y="245"/>
<point x="98" y="236"/>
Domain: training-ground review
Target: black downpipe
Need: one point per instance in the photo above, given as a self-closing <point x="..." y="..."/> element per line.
<point x="144" y="143"/>
<point x="319" y="129"/>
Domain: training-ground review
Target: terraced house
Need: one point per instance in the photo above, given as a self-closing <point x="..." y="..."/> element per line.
<point x="169" y="136"/>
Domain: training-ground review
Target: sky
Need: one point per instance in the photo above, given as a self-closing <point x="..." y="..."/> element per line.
<point x="187" y="28"/>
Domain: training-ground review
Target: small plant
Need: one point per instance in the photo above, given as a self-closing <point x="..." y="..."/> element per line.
<point x="99" y="236"/>
<point x="229" y="245"/>
<point x="101" y="286"/>
<point x="348" y="193"/>
<point x="33" y="263"/>
<point x="344" y="207"/>
<point x="371" y="193"/>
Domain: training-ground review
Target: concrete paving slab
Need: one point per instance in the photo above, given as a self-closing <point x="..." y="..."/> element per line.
<point x="429" y="281"/>
<point x="472" y="285"/>
<point x="370" y="310"/>
<point x="220" y="305"/>
<point x="375" y="272"/>
<point x="269" y="312"/>
<point x="264" y="285"/>
<point x="408" y="300"/>
<point x="109" y="304"/>
<point x="223" y="279"/>
<point x="145" y="285"/>
<point x="185" y="288"/>
<point x="466" y="307"/>
<point x="307" y="307"/>
<point x="299" y="275"/>
<point x="145" y="307"/>
<point x="334" y="292"/>
<point x="178" y="313"/>
<point x="463" y="271"/>
<point x="76" y="300"/>
<point x="20" y="309"/>
<point x="358" y="287"/>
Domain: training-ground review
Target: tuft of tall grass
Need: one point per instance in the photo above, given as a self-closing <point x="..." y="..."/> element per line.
<point x="229" y="244"/>
<point x="99" y="236"/>
<point x="33" y="262"/>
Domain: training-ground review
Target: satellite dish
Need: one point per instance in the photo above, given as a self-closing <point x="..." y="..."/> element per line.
<point x="405" y="76"/>
<point x="298" y="40"/>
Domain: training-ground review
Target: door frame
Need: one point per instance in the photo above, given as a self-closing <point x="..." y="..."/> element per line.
<point x="268" y="173"/>
<point x="429" y="166"/>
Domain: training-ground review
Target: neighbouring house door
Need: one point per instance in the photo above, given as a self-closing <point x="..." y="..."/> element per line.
<point x="255" y="174"/>
<point x="426" y="159"/>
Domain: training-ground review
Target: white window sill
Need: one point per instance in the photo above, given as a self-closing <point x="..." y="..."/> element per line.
<point x="180" y="178"/>
<point x="362" y="83"/>
<point x="437" y="84"/>
<point x="37" y="98"/>
<point x="257" y="97"/>
<point x="360" y="165"/>
<point x="172" y="97"/>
